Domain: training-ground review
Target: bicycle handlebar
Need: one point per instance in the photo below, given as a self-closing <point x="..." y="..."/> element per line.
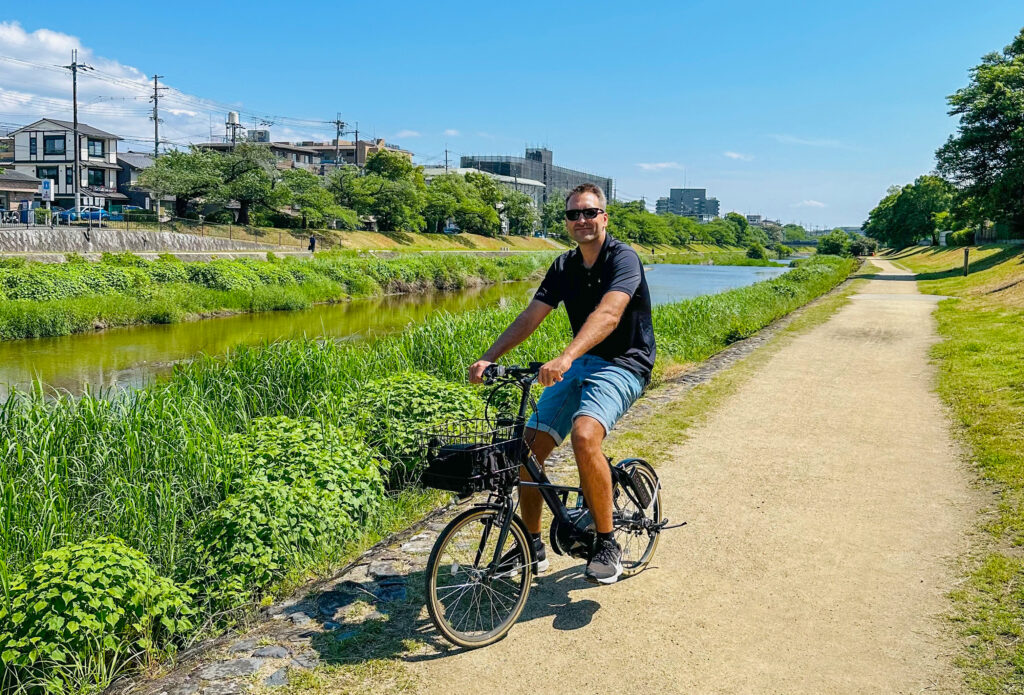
<point x="500" y="371"/>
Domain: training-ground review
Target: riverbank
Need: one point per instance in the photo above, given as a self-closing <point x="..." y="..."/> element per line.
<point x="181" y="472"/>
<point x="41" y="300"/>
<point x="980" y="378"/>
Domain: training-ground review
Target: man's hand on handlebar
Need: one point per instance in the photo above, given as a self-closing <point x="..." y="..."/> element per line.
<point x="552" y="371"/>
<point x="476" y="371"/>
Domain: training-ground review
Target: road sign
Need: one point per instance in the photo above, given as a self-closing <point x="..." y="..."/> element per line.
<point x="47" y="190"/>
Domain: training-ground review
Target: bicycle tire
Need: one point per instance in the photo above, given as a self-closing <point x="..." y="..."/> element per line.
<point x="451" y="605"/>
<point x="637" y="545"/>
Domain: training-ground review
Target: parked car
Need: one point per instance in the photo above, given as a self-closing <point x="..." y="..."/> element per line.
<point x="86" y="212"/>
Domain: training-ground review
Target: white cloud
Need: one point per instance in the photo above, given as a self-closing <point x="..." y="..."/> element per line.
<point x="738" y="155"/>
<point x="451" y="132"/>
<point x="113" y="96"/>
<point x="659" y="166"/>
<point x="809" y="142"/>
<point x="809" y="204"/>
<point x="407" y="134"/>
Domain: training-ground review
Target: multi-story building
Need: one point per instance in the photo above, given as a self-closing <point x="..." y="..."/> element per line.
<point x="537" y="165"/>
<point x="336" y="152"/>
<point x="534" y="189"/>
<point x="46" y="150"/>
<point x="689" y="202"/>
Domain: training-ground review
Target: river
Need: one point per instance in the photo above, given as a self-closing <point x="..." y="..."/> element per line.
<point x="128" y="357"/>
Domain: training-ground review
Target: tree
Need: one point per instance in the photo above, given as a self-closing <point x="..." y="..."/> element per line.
<point x="187" y="175"/>
<point x="552" y="216"/>
<point x="794" y="232"/>
<point x="740" y="220"/>
<point x="305" y="191"/>
<point x="393" y="191"/>
<point x="757" y="252"/>
<point x="908" y="214"/>
<point x="835" y="243"/>
<point x="248" y="175"/>
<point x="520" y="212"/>
<point x="985" y="158"/>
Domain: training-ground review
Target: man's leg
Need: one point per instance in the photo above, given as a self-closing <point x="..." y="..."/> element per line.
<point x="530" y="502"/>
<point x="595" y="477"/>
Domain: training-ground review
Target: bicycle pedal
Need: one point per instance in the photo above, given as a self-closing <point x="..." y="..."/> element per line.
<point x="665" y="525"/>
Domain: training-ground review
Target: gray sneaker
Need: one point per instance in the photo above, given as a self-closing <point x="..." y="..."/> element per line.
<point x="542" y="563"/>
<point x="606" y="564"/>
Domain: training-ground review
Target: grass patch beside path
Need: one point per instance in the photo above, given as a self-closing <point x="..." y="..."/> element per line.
<point x="982" y="380"/>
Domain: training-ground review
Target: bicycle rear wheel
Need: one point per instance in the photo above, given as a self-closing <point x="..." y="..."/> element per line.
<point x="636" y="529"/>
<point x="470" y="602"/>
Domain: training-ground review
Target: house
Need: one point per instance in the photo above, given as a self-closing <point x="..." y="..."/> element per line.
<point x="337" y="152"/>
<point x="45" y="150"/>
<point x="16" y="188"/>
<point x="131" y="165"/>
<point x="288" y="156"/>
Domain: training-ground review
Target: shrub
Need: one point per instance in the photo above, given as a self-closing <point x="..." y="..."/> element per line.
<point x="962" y="237"/>
<point x="79" y="604"/>
<point x="254" y="536"/>
<point x="163" y="270"/>
<point x="393" y="410"/>
<point x="269" y="273"/>
<point x="125" y="259"/>
<point x="74" y="258"/>
<point x="287" y="450"/>
<point x="140" y="215"/>
<point x="221" y="217"/>
<point x="223" y="275"/>
<point x="757" y="252"/>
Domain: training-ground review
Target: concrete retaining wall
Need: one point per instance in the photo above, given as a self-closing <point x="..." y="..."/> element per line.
<point x="47" y="240"/>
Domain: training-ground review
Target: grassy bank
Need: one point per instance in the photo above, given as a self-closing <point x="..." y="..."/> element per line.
<point x="719" y="257"/>
<point x="231" y="477"/>
<point x="38" y="299"/>
<point x="981" y="378"/>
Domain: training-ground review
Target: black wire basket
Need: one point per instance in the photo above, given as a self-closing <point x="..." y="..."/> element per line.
<point x="471" y="455"/>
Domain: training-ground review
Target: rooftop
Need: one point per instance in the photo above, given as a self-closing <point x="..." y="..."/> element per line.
<point x="83" y="129"/>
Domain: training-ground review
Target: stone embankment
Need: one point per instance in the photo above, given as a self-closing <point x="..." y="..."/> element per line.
<point x="47" y="240"/>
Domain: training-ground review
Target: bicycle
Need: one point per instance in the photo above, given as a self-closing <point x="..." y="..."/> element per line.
<point x="481" y="567"/>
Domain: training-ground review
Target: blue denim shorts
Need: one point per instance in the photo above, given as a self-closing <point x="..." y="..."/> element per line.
<point x="592" y="386"/>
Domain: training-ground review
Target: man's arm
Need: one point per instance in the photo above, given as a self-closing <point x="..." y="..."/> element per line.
<point x="598" y="326"/>
<point x="518" y="331"/>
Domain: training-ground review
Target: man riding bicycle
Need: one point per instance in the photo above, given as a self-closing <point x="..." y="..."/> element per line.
<point x="598" y="376"/>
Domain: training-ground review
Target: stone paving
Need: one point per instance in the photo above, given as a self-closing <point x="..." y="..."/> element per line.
<point x="296" y="633"/>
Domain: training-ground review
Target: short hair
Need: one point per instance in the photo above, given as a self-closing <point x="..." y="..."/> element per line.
<point x="588" y="188"/>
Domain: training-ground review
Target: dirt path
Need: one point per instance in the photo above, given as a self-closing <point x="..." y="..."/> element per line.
<point x="826" y="506"/>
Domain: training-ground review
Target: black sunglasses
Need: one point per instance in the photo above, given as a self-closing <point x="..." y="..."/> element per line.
<point x="588" y="213"/>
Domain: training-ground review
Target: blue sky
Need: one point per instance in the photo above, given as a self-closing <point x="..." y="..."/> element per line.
<point x="798" y="111"/>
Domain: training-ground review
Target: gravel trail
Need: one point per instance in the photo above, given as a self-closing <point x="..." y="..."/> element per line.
<point x="826" y="505"/>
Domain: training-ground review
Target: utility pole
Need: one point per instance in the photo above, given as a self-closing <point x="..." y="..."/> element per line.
<point x="446" y="160"/>
<point x="339" y="125"/>
<point x="74" y="68"/>
<point x="156" y="128"/>
<point x="356" y="153"/>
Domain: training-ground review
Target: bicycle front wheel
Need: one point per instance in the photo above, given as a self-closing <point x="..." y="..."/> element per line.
<point x="472" y="600"/>
<point x="636" y="529"/>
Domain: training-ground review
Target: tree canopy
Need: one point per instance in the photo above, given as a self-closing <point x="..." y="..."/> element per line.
<point x="910" y="213"/>
<point x="984" y="159"/>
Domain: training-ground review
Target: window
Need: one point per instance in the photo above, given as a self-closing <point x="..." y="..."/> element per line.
<point x="53" y="144"/>
<point x="69" y="176"/>
<point x="97" y="178"/>
<point x="32" y="146"/>
<point x="47" y="173"/>
<point x="96" y="148"/>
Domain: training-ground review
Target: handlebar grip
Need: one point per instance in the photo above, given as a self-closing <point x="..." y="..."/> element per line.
<point x="494" y="371"/>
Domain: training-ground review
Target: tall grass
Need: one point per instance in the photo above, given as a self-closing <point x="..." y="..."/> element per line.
<point x="60" y="299"/>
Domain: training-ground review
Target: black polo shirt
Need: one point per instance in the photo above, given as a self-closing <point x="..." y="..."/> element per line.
<point x="618" y="268"/>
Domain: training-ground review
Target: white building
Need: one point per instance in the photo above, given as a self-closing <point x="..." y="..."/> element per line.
<point x="45" y="150"/>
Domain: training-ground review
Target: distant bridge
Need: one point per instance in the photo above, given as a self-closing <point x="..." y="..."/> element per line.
<point x="808" y="242"/>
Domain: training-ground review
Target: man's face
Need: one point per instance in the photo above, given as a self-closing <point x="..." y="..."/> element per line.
<point x="583" y="230"/>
